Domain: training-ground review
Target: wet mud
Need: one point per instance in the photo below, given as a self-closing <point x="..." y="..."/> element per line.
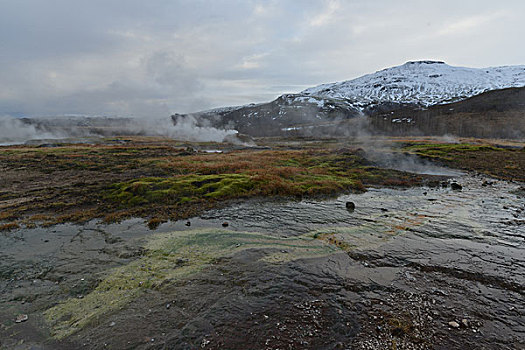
<point x="419" y="268"/>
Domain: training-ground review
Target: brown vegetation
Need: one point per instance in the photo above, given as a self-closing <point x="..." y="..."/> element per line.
<point x="161" y="180"/>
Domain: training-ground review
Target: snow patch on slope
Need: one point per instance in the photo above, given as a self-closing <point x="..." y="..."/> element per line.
<point x="421" y="82"/>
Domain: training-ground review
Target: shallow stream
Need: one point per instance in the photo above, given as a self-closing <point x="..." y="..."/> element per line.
<point x="401" y="270"/>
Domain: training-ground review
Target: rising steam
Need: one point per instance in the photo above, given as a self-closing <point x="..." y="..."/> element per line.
<point x="14" y="130"/>
<point x="18" y="131"/>
<point x="187" y="129"/>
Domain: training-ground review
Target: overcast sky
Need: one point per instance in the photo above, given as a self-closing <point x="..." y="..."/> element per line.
<point x="156" y="57"/>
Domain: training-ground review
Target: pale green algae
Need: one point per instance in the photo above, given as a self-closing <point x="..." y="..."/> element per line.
<point x="179" y="255"/>
<point x="170" y="257"/>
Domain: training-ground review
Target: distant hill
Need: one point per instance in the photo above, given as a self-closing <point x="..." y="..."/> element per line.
<point x="493" y="114"/>
<point x="405" y="91"/>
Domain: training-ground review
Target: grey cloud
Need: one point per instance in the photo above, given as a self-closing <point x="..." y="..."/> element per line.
<point x="130" y="57"/>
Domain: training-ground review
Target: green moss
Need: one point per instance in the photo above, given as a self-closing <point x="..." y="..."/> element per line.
<point x="179" y="189"/>
<point x="446" y="151"/>
<point x="169" y="257"/>
<point x="192" y="188"/>
<point x="504" y="163"/>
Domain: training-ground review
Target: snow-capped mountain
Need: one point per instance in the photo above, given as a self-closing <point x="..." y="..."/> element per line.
<point x="423" y="83"/>
<point x="418" y="97"/>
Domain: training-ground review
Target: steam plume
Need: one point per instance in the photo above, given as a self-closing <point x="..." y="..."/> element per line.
<point x="16" y="131"/>
<point x="13" y="130"/>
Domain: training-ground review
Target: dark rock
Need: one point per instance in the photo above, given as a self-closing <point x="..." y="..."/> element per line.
<point x="398" y="332"/>
<point x="350" y="206"/>
<point x="181" y="261"/>
<point x="456" y="187"/>
<point x="188" y="223"/>
<point x="225" y="224"/>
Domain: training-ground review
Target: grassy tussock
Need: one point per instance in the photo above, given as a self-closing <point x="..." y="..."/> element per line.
<point x="504" y="163"/>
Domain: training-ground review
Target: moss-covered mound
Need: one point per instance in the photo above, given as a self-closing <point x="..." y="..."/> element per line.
<point x="504" y="163"/>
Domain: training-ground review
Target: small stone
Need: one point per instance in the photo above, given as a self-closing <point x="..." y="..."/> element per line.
<point x="21" y="318"/>
<point x="168" y="305"/>
<point x="350" y="206"/>
<point x="464" y="322"/>
<point x="225" y="224"/>
<point x="188" y="223"/>
<point x="453" y="324"/>
<point x="112" y="324"/>
<point x="455" y="186"/>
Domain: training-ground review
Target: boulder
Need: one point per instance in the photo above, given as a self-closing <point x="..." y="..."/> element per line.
<point x="456" y="187"/>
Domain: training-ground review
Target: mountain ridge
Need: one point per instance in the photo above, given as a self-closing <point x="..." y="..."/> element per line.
<point x="421" y="82"/>
<point x="413" y="86"/>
